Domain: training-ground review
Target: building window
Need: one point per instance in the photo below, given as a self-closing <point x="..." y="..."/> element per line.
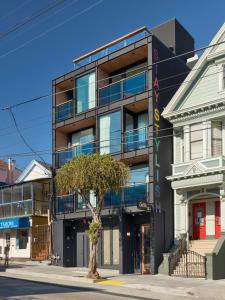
<point x="137" y="187"/>
<point x="22" y="239"/>
<point x="196" y="141"/>
<point x="179" y="145"/>
<point x="110" y="133"/>
<point x="216" y="138"/>
<point x="82" y="142"/>
<point x="85" y="92"/>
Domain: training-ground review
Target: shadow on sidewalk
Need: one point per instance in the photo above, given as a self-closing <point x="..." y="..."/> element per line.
<point x="13" y="287"/>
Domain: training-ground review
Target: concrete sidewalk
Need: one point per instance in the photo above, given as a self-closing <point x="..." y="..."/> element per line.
<point x="165" y="286"/>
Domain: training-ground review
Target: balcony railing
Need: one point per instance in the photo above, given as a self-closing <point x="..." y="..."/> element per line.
<point x="128" y="196"/>
<point x="15" y="209"/>
<point x="64" y="156"/>
<point x="123" y="89"/>
<point x="64" y="111"/>
<point x="110" y="49"/>
<point x="136" y="139"/>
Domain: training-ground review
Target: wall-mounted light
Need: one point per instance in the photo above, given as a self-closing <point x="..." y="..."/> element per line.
<point x="128" y="233"/>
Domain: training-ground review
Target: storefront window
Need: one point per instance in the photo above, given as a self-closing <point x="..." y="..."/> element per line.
<point x="106" y="237"/>
<point x="111" y="246"/>
<point x="22" y="239"/>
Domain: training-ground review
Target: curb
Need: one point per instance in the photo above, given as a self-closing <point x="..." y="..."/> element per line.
<point x="50" y="276"/>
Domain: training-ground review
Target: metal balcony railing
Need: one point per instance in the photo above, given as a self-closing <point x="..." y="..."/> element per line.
<point x="64" y="111"/>
<point x="110" y="49"/>
<point x="123" y="89"/>
<point x="16" y="209"/>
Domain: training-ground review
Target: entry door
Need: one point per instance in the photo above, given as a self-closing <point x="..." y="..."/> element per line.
<point x="82" y="249"/>
<point x="217" y="219"/>
<point x="199" y="220"/>
<point x="145" y="249"/>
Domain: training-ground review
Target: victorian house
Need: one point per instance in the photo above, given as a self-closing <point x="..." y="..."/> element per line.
<point x="197" y="112"/>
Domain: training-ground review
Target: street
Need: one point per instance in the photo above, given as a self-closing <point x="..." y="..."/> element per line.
<point x="24" y="289"/>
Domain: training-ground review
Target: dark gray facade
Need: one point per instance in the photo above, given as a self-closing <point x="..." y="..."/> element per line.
<point x="142" y="236"/>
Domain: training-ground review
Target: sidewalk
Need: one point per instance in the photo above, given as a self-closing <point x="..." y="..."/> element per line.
<point x="172" y="287"/>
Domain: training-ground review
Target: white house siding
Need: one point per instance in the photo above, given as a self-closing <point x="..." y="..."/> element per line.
<point x="205" y="88"/>
<point x="14" y="252"/>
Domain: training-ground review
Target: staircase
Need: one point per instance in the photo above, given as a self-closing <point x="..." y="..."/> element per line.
<point x="192" y="262"/>
<point x="202" y="246"/>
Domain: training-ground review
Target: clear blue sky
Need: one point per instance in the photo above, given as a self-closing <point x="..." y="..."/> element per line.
<point x="28" y="72"/>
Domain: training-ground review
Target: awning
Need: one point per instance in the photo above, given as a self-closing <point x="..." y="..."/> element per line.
<point x="23" y="222"/>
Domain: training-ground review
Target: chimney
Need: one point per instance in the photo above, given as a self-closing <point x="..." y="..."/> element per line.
<point x="11" y="171"/>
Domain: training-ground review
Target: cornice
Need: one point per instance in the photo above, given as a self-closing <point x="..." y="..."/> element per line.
<point x="197" y="111"/>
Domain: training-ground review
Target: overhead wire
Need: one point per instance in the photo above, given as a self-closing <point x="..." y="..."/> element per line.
<point x="30" y="18"/>
<point x="52" y="28"/>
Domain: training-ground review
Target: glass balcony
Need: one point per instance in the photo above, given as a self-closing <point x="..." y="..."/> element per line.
<point x="65" y="204"/>
<point x="15" y="209"/>
<point x="136" y="139"/>
<point x="135" y="193"/>
<point x="110" y="49"/>
<point x="64" y="156"/>
<point x="113" y="199"/>
<point x="123" y="89"/>
<point x="64" y="111"/>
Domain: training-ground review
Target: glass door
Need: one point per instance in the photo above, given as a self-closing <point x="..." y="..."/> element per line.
<point x="145" y="249"/>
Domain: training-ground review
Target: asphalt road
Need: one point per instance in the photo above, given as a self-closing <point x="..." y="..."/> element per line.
<point x="27" y="290"/>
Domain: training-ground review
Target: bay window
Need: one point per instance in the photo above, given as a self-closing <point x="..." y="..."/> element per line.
<point x="85" y="92"/>
<point x="110" y="133"/>
<point x="216" y="138"/>
<point x="196" y="141"/>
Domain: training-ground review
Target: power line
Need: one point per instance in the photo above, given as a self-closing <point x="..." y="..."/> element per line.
<point x="23" y="138"/>
<point x="30" y="18"/>
<point x="43" y="19"/>
<point x="52" y="28"/>
<point x="122" y="73"/>
<point x="14" y="10"/>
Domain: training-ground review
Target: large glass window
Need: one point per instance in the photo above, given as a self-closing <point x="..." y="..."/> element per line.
<point x="110" y="133"/>
<point x="85" y="92"/>
<point x="216" y="138"/>
<point x="136" y="189"/>
<point x="196" y="140"/>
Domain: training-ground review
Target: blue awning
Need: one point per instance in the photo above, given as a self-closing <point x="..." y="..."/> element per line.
<point x="23" y="222"/>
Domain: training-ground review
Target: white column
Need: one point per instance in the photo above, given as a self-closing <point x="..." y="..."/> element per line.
<point x="186" y="143"/>
<point x="223" y="137"/>
<point x="222" y="209"/>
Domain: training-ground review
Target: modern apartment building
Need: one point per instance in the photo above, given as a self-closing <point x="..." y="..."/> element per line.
<point x="24" y="208"/>
<point x="198" y="116"/>
<point x="111" y="103"/>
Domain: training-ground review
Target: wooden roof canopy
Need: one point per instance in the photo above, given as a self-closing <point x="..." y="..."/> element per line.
<point x="111" y="43"/>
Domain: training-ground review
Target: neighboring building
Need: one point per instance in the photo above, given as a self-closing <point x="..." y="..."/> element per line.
<point x="8" y="172"/>
<point x="197" y="112"/>
<point x="112" y="103"/>
<point x="24" y="209"/>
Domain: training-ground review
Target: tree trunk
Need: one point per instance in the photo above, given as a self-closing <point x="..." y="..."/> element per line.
<point x="93" y="273"/>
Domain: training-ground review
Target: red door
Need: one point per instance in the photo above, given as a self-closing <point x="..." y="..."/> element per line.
<point x="217" y="219"/>
<point x="199" y="220"/>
